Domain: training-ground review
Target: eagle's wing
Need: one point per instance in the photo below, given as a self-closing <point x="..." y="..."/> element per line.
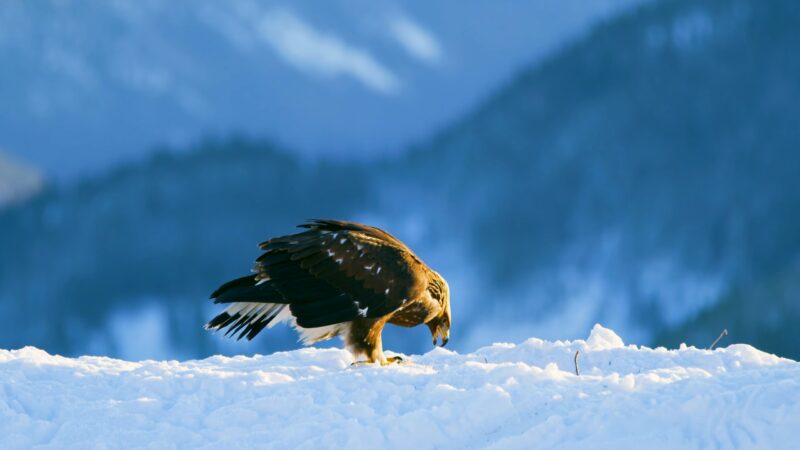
<point x="339" y="271"/>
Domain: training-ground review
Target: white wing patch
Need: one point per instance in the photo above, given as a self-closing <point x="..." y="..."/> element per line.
<point x="284" y="315"/>
<point x="309" y="336"/>
<point x="255" y="311"/>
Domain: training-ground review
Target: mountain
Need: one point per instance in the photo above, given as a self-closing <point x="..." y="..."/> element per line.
<point x="127" y="256"/>
<point x="654" y="159"/>
<point x="111" y="81"/>
<point x="18" y="182"/>
<point x="643" y="177"/>
<point x="764" y="310"/>
<point x="638" y="177"/>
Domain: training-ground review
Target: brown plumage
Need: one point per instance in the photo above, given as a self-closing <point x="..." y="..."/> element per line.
<point x="336" y="278"/>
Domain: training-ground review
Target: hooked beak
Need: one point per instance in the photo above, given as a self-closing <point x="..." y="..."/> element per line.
<point x="445" y="333"/>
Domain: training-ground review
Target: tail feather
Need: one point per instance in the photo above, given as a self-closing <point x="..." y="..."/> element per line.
<point x="245" y="318"/>
<point x="221" y="321"/>
<point x="247" y="289"/>
<point x="247" y="281"/>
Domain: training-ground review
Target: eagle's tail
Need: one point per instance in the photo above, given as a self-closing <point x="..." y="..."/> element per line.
<point x="252" y="307"/>
<point x="246" y="289"/>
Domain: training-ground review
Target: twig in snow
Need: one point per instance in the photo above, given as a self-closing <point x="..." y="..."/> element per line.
<point x="724" y="333"/>
<point x="577" y="372"/>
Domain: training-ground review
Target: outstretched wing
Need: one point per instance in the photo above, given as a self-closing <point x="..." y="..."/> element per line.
<point x="332" y="273"/>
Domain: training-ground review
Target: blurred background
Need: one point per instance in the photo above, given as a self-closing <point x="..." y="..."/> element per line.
<point x="560" y="162"/>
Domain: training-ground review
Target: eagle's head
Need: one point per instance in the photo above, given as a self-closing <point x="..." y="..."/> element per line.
<point x="440" y="324"/>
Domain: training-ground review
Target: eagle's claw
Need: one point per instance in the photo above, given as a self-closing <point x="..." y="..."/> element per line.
<point x="385" y="362"/>
<point x="392" y="360"/>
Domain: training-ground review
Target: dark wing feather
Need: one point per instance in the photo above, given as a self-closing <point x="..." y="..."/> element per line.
<point x="331" y="273"/>
<point x="247" y="289"/>
<point x="233" y="284"/>
<point x="346" y="269"/>
<point x="341" y="225"/>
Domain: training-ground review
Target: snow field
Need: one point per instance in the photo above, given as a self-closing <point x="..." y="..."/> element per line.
<point x="502" y="396"/>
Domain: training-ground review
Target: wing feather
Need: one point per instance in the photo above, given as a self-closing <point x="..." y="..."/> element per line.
<point x="381" y="273"/>
<point x="263" y="292"/>
<point x="332" y="272"/>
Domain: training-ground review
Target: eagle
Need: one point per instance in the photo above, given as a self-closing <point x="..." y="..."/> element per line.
<point x="336" y="278"/>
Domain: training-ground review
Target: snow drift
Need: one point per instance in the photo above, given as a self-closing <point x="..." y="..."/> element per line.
<point x="502" y="396"/>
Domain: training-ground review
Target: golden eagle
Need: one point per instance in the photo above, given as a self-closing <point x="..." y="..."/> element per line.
<point x="336" y="278"/>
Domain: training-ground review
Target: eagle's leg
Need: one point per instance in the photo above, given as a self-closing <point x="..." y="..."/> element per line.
<point x="386" y="361"/>
<point x="365" y="338"/>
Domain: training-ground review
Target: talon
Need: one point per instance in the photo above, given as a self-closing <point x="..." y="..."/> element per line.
<point x="361" y="363"/>
<point x="393" y="360"/>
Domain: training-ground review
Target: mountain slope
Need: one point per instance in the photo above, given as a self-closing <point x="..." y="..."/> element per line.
<point x="637" y="177"/>
<point x="643" y="177"/>
<point x="17" y="182"/>
<point x="111" y="80"/>
<point x="160" y="237"/>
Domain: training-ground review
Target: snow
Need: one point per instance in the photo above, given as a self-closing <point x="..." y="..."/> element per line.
<point x="18" y="182"/>
<point x="418" y="42"/>
<point x="502" y="396"/>
<point x="346" y="78"/>
<point x="142" y="332"/>
<point x="311" y="50"/>
<point x="603" y="339"/>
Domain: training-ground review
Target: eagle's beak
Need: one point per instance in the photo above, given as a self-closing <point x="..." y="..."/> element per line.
<point x="440" y="330"/>
<point x="445" y="333"/>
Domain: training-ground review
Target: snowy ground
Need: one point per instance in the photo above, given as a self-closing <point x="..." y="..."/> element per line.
<point x="502" y="396"/>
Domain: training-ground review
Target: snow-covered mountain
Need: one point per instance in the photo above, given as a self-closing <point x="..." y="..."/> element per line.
<point x="637" y="178"/>
<point x="89" y="84"/>
<point x="644" y="177"/>
<point x="18" y="182"/>
<point x="503" y="396"/>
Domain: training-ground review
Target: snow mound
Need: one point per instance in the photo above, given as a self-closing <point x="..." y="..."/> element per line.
<point x="602" y="338"/>
<point x="501" y="396"/>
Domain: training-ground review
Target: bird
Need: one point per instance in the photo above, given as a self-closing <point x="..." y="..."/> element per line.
<point x="336" y="278"/>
